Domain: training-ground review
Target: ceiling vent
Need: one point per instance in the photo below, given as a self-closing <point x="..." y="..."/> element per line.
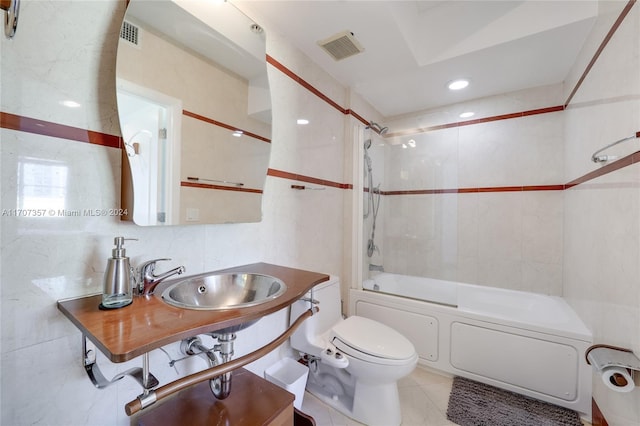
<point x="341" y="45"/>
<point x="130" y="33"/>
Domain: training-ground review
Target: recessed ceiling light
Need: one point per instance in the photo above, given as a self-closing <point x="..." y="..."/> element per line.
<point x="302" y="121"/>
<point x="467" y="114"/>
<point x="458" y="84"/>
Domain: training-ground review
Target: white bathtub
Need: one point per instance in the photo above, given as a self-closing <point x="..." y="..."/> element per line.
<point x="524" y="342"/>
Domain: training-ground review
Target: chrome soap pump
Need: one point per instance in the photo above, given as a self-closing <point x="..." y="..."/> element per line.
<point x="117" y="291"/>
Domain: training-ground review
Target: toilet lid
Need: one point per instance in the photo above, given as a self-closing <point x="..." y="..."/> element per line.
<point x="373" y="338"/>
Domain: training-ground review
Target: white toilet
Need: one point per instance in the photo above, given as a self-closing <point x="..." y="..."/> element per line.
<point x="355" y="363"/>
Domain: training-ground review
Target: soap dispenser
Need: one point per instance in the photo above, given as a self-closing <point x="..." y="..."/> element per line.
<point x="117" y="289"/>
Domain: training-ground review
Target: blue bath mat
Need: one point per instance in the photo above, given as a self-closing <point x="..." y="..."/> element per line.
<point x="476" y="404"/>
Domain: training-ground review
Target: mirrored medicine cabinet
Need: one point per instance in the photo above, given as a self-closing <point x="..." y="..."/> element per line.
<point x="195" y="113"/>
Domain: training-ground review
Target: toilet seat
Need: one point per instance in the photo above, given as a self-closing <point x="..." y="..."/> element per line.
<point x="371" y="341"/>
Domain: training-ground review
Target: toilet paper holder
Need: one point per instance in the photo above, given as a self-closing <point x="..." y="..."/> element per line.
<point x="605" y="356"/>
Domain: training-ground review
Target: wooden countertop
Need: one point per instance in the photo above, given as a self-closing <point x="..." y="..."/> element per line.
<point x="149" y="323"/>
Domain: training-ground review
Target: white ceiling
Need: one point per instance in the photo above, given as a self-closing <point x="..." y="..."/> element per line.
<point x="413" y="48"/>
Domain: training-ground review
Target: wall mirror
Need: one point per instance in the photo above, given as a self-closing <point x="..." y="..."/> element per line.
<point x="195" y="113"/>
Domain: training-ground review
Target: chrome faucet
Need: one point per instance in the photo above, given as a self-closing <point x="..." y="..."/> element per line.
<point x="148" y="280"/>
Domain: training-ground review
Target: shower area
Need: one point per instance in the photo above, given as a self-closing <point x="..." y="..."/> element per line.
<point x="530" y="205"/>
<point x="472" y="202"/>
<point x="372" y="192"/>
<point x="462" y="248"/>
<point x="412" y="206"/>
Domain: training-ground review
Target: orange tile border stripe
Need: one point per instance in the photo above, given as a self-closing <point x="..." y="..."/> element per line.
<point x="606" y="169"/>
<point x="308" y="179"/>
<point x="600" y="49"/>
<point x="476" y="190"/>
<point x="48" y="128"/>
<point x="286" y="71"/>
<point x="224" y="125"/>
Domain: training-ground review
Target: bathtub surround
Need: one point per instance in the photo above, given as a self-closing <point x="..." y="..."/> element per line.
<point x="487" y="334"/>
<point x="44" y="260"/>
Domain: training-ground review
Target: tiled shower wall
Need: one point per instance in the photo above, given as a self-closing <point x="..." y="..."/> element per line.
<point x="478" y="203"/>
<point x="602" y="215"/>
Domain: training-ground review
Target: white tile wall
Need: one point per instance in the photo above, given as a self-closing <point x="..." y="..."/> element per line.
<point x="521" y="151"/>
<point x="63" y="50"/>
<point x="602" y="258"/>
<point x="66" y="50"/>
<point x="501" y="239"/>
<point x="315" y="149"/>
<point x="601" y="225"/>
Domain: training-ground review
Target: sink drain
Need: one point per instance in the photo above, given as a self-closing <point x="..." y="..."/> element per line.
<point x="202" y="289"/>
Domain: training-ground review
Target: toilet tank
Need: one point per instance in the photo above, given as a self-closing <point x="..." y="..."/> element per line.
<point x="308" y="338"/>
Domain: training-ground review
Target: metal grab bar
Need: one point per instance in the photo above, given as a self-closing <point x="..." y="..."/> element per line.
<point x="148" y="398"/>
<point x="604" y="158"/>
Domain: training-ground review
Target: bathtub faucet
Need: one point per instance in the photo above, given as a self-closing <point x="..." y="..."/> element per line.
<point x="373" y="267"/>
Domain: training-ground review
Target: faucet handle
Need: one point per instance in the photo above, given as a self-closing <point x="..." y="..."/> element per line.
<point x="151" y="264"/>
<point x="149" y="280"/>
<point x="145" y="270"/>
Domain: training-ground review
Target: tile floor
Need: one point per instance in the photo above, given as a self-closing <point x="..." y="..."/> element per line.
<point x="423" y="394"/>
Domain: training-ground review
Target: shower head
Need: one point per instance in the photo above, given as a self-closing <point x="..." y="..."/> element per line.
<point x="378" y="128"/>
<point x="367" y="144"/>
